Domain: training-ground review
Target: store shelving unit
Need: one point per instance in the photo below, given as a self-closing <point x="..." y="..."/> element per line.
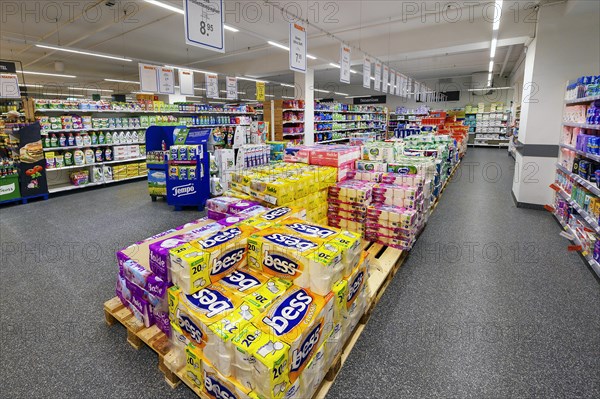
<point x="363" y="119"/>
<point x="570" y="160"/>
<point x="491" y="128"/>
<point x="287" y="120"/>
<point x="59" y="177"/>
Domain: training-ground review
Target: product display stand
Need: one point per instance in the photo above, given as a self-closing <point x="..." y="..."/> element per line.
<point x="385" y="262"/>
<point x="336" y="122"/>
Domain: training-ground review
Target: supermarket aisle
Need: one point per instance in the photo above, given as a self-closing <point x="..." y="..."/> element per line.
<point x="53" y="339"/>
<point x="489" y="304"/>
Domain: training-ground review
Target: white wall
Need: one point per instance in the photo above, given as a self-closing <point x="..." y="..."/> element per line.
<point x="566" y="47"/>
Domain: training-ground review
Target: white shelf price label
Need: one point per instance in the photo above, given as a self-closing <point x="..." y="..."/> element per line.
<point x="367" y="73"/>
<point x="377" y="76"/>
<point x="166" y="81"/>
<point x="345" y="64"/>
<point x="204" y="24"/>
<point x="231" y="87"/>
<point x="297" y="48"/>
<point x="212" y="86"/>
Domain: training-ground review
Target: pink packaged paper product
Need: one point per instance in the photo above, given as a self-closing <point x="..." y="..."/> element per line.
<point x="232" y="219"/>
<point x="343" y="171"/>
<point x="352" y="191"/>
<point x="392" y="215"/>
<point x="220" y="204"/>
<point x="237" y="207"/>
<point x="395" y="178"/>
<point x="144" y="278"/>
<point x="364" y="175"/>
<point x="160" y="260"/>
<point x="216" y="215"/>
<point x="202" y="231"/>
<point x="297" y="154"/>
<point x="334" y="155"/>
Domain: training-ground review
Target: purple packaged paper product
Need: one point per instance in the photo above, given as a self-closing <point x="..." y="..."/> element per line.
<point x="237" y="207"/>
<point x="254" y="210"/>
<point x="231" y="220"/>
<point x="161" y="319"/>
<point x="202" y="231"/>
<point x="160" y="261"/>
<point x="144" y="278"/>
<point x="138" y="291"/>
<point x="216" y="215"/>
<point x="220" y="204"/>
<point x="123" y="293"/>
<point x="141" y="310"/>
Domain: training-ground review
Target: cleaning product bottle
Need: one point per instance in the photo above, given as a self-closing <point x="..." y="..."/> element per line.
<point x="101" y="138"/>
<point x="62" y="140"/>
<point x="78" y="140"/>
<point x="70" y="140"/>
<point x="93" y="138"/>
<point x="108" y="138"/>
<point x="108" y="154"/>
<point x="53" y="140"/>
<point x="78" y="157"/>
<point x="89" y="155"/>
<point x="46" y="141"/>
<point x="98" y="155"/>
<point x="87" y="140"/>
<point x="68" y="158"/>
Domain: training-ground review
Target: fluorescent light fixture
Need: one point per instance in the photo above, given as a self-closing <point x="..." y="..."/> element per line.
<point x="225" y="91"/>
<point x="167" y="6"/>
<point x="122" y="81"/>
<point x="497" y="15"/>
<point x="340" y="94"/>
<point x="286" y="85"/>
<point x="321" y="91"/>
<point x="251" y="79"/>
<point x="67" y="50"/>
<point x="60" y="94"/>
<point x="141" y="92"/>
<point x="372" y="78"/>
<point x="90" y="88"/>
<point x="495" y="88"/>
<point x="191" y="69"/>
<point x="353" y="71"/>
<point x="312" y="57"/>
<point x="334" y="65"/>
<point x="58" y="75"/>
<point x="489" y="76"/>
<point x="491" y="67"/>
<point x="269" y="95"/>
<point x="200" y="88"/>
<point x="281" y="46"/>
<point x="30" y="85"/>
<point x="230" y="28"/>
<point x="288" y="97"/>
<point x="493" y="48"/>
<point x="216" y="102"/>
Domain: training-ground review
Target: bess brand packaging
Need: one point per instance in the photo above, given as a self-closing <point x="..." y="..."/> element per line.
<point x="202" y="262"/>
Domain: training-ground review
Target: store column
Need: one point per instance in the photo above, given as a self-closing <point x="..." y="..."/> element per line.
<point x="304" y="84"/>
<point x="562" y="36"/>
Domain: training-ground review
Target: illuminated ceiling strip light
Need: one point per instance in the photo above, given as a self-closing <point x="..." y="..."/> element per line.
<point x="353" y="71"/>
<point x="191" y="69"/>
<point x="491" y="67"/>
<point x="286" y="48"/>
<point x="286" y="85"/>
<point x="495" y="88"/>
<point x="58" y="75"/>
<point x="122" y="81"/>
<point x="321" y="91"/>
<point x="312" y="57"/>
<point x="489" y="76"/>
<point x="112" y="57"/>
<point x="288" y="97"/>
<point x="340" y="94"/>
<point x="493" y="48"/>
<point x="334" y="65"/>
<point x="251" y="79"/>
<point x="225" y="91"/>
<point x="60" y="94"/>
<point x="230" y="28"/>
<point x="269" y="95"/>
<point x="497" y="15"/>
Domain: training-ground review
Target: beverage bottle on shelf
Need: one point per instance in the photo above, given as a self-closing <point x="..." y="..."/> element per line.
<point x="53" y="140"/>
<point x="70" y="140"/>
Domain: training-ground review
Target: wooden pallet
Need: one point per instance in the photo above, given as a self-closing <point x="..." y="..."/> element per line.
<point x="138" y="334"/>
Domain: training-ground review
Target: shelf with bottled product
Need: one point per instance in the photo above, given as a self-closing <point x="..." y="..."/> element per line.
<point x="577" y="201"/>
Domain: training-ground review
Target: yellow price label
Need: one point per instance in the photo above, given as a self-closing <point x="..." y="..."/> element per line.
<point x="260" y="91"/>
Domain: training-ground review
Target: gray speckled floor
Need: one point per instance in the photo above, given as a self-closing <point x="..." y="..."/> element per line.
<point x="488" y="305"/>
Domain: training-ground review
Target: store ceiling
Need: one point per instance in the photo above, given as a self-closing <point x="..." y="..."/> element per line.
<point x="423" y="40"/>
